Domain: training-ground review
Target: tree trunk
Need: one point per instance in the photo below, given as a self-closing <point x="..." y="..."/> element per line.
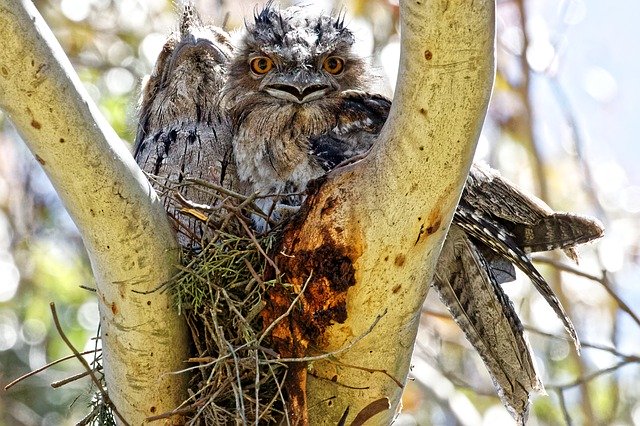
<point x="122" y="223"/>
<point x="379" y="224"/>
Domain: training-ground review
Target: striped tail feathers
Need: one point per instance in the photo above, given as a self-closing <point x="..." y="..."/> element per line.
<point x="494" y="236"/>
<point x="533" y="224"/>
<point x="468" y="288"/>
<point x="558" y="230"/>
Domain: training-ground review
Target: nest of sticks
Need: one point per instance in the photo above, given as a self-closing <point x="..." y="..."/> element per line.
<point x="220" y="289"/>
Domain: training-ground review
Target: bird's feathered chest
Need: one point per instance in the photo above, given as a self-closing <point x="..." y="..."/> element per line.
<point x="272" y="143"/>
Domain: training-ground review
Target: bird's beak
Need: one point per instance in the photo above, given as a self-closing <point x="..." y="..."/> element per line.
<point x="300" y="87"/>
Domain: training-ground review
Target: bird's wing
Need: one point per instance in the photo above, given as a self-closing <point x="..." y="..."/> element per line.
<point x="467" y="287"/>
<point x="359" y="119"/>
<point x="183" y="131"/>
<point x="493" y="235"/>
<point x="533" y="224"/>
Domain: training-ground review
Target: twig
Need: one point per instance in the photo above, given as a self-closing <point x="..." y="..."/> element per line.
<point x="89" y="417"/>
<point x="587" y="378"/>
<point x="286" y="314"/>
<point x="611" y="350"/>
<point x="84" y="363"/>
<point x="563" y="407"/>
<point x="68" y="380"/>
<point x="44" y="367"/>
<point x="603" y="281"/>
<point x="239" y="395"/>
<point x="333" y="353"/>
<point x="258" y="246"/>
<point x="371" y="370"/>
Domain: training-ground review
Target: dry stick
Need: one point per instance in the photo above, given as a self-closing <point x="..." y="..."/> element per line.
<point x="253" y="272"/>
<point x="68" y="380"/>
<point x="256" y="384"/>
<point x="337" y="382"/>
<point x="587" y="378"/>
<point x="371" y="370"/>
<point x="44" y="367"/>
<point x="84" y="363"/>
<point x="567" y="268"/>
<point x="286" y="314"/>
<point x="169" y="414"/>
<point x="246" y="201"/>
<point x="88" y="418"/>
<point x="333" y="353"/>
<point x="239" y="395"/>
<point x="258" y="246"/>
<point x="279" y="386"/>
<point x="611" y="350"/>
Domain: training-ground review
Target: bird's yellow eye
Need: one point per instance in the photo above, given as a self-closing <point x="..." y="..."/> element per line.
<point x="261" y="65"/>
<point x="333" y="65"/>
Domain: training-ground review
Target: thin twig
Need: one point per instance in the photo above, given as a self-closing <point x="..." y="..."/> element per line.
<point x="333" y="353"/>
<point x="258" y="246"/>
<point x="603" y="281"/>
<point x="286" y="314"/>
<point x="44" y="367"/>
<point x="84" y="363"/>
<point x="68" y="380"/>
<point x="563" y="407"/>
<point x="588" y="377"/>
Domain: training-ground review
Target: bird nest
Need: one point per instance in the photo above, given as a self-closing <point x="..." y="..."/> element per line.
<point x="220" y="289"/>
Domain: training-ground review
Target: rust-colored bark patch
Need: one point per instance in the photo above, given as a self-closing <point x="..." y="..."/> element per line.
<point x="325" y="273"/>
<point x="431" y="226"/>
<point x="434" y="221"/>
<point x="434" y="226"/>
<point x="329" y="206"/>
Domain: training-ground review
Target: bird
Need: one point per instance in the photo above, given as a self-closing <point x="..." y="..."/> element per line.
<point x="288" y="81"/>
<point x="183" y="130"/>
<point x="302" y="101"/>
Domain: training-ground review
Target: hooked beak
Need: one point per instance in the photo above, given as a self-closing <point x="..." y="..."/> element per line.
<point x="297" y="93"/>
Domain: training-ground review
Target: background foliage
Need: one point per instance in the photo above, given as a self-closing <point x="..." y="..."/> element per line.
<point x="561" y="124"/>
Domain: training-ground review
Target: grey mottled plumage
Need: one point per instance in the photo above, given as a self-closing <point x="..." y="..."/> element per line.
<point x="470" y="290"/>
<point x="183" y="131"/>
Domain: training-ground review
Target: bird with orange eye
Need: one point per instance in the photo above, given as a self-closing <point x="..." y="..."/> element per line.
<point x="292" y="79"/>
<point x="261" y="65"/>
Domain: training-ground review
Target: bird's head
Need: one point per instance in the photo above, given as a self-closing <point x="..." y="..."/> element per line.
<point x="190" y="68"/>
<point x="294" y="58"/>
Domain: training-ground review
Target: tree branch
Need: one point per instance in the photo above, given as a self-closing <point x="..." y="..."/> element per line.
<point x="122" y="222"/>
<point x="389" y="213"/>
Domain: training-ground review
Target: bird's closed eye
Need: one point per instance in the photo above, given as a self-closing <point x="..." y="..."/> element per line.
<point x="261" y="65"/>
<point x="333" y="65"/>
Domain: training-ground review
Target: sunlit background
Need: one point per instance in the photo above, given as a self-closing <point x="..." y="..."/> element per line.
<point x="563" y="123"/>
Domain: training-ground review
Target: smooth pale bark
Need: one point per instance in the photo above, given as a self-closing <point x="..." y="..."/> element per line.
<point x="391" y="211"/>
<point x="122" y="222"/>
